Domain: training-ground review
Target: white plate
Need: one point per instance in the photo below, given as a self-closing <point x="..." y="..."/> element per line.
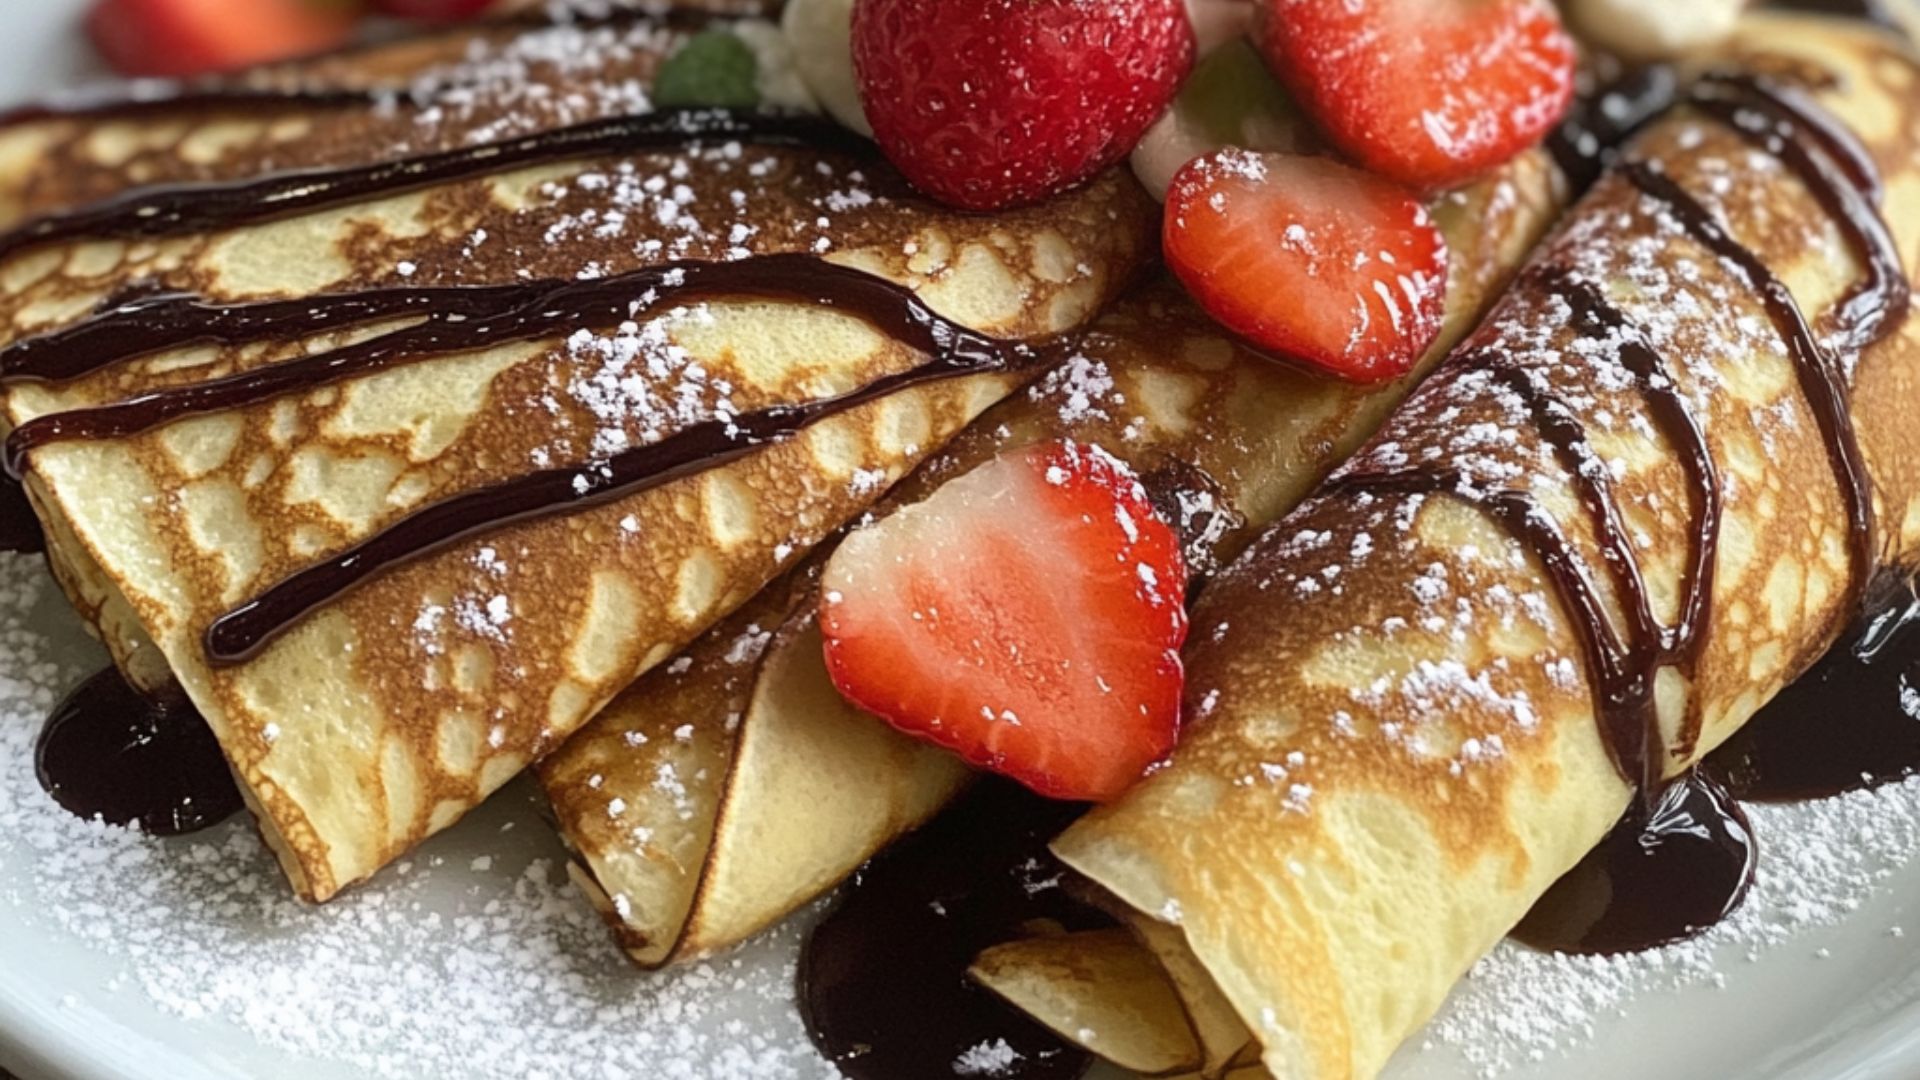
<point x="478" y="963"/>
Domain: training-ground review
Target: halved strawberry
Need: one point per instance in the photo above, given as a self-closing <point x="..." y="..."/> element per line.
<point x="1330" y="266"/>
<point x="197" y="37"/>
<point x="1428" y="92"/>
<point x="1027" y="615"/>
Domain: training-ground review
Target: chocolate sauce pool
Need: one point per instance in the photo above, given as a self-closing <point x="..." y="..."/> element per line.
<point x="1852" y="722"/>
<point x="883" y="980"/>
<point x="19" y="527"/>
<point x="112" y="753"/>
<point x="1673" y="867"/>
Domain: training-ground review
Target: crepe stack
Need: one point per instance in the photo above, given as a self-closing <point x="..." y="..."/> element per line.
<point x="733" y="785"/>
<point x="394" y="708"/>
<point x="1394" y="742"/>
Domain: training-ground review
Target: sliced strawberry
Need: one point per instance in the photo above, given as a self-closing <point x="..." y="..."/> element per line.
<point x="986" y="104"/>
<point x="1329" y="266"/>
<point x="1027" y="615"/>
<point x="1428" y="92"/>
<point x="196" y="37"/>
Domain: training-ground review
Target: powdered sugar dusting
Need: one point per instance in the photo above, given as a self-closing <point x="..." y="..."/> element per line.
<point x="1521" y="1009"/>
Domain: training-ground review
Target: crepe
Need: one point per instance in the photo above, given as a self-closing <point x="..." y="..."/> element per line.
<point x="472" y="83"/>
<point x="729" y="788"/>
<point x="459" y="86"/>
<point x="1394" y="741"/>
<point x="396" y="707"/>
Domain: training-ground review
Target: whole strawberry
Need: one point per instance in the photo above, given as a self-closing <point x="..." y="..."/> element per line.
<point x="986" y="104"/>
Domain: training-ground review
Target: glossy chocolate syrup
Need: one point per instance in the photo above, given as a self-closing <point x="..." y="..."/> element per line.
<point x="454" y="320"/>
<point x="883" y="984"/>
<point x="1852" y="722"/>
<point x="127" y="328"/>
<point x="1674" y="866"/>
<point x="173" y="209"/>
<point x="1600" y="121"/>
<point x="19" y="527"/>
<point x="952" y="351"/>
<point x="110" y="752"/>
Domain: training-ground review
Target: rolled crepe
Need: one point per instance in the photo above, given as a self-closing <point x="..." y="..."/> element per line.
<point x="735" y="784"/>
<point x="437" y="91"/>
<point x="476" y="82"/>
<point x="392" y="709"/>
<point x="1394" y="745"/>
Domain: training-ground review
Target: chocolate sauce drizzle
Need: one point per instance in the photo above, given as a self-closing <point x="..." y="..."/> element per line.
<point x="173" y="209"/>
<point x="111" y="753"/>
<point x="883" y="980"/>
<point x="453" y="320"/>
<point x="953" y="350"/>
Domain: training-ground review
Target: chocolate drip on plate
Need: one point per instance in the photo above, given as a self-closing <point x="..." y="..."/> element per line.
<point x="19" y="526"/>
<point x="1852" y="722"/>
<point x="111" y="753"/>
<point x="883" y="980"/>
<point x="174" y="209"/>
<point x="1673" y="867"/>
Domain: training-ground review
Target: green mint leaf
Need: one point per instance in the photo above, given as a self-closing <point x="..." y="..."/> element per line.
<point x="713" y="68"/>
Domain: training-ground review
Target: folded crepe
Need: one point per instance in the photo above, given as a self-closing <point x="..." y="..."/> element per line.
<point x="1425" y="695"/>
<point x="475" y="83"/>
<point x="478" y="82"/>
<point x="730" y="787"/>
<point x="632" y="281"/>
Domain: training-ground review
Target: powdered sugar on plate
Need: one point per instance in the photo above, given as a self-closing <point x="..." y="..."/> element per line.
<point x="473" y="958"/>
<point x="1820" y="862"/>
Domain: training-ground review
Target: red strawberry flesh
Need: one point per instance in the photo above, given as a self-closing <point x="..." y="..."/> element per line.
<point x="1428" y="92"/>
<point x="1326" y="265"/>
<point x="1027" y="615"/>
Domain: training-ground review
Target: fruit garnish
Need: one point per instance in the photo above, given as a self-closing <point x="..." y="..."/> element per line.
<point x="819" y="35"/>
<point x="1027" y="615"/>
<point x="175" y="38"/>
<point x="986" y="104"/>
<point x="1427" y="92"/>
<point x="1332" y="267"/>
<point x="1231" y="99"/>
<point x="434" y="10"/>
<point x="713" y="68"/>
